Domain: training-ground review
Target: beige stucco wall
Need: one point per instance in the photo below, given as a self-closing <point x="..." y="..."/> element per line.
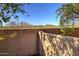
<point x="18" y="42"/>
<point x="25" y="42"/>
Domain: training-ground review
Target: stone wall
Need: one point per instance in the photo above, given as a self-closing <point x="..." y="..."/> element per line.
<point x="26" y="42"/>
<point x="59" y="45"/>
<point x="75" y="33"/>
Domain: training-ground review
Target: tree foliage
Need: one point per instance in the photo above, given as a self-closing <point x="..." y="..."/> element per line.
<point x="68" y="14"/>
<point x="8" y="10"/>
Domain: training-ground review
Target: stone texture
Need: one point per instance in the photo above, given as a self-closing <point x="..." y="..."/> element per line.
<point x="59" y="45"/>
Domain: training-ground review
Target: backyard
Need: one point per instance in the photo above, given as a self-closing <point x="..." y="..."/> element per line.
<point x="39" y="29"/>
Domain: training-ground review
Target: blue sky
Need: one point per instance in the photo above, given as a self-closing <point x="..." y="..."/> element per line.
<point x="41" y="13"/>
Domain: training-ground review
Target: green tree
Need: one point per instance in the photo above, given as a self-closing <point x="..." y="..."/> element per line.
<point x="8" y="10"/>
<point x="68" y="14"/>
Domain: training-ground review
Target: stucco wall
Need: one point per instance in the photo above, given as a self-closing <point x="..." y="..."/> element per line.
<point x="25" y="41"/>
<point x="75" y="33"/>
<point x="18" y="42"/>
